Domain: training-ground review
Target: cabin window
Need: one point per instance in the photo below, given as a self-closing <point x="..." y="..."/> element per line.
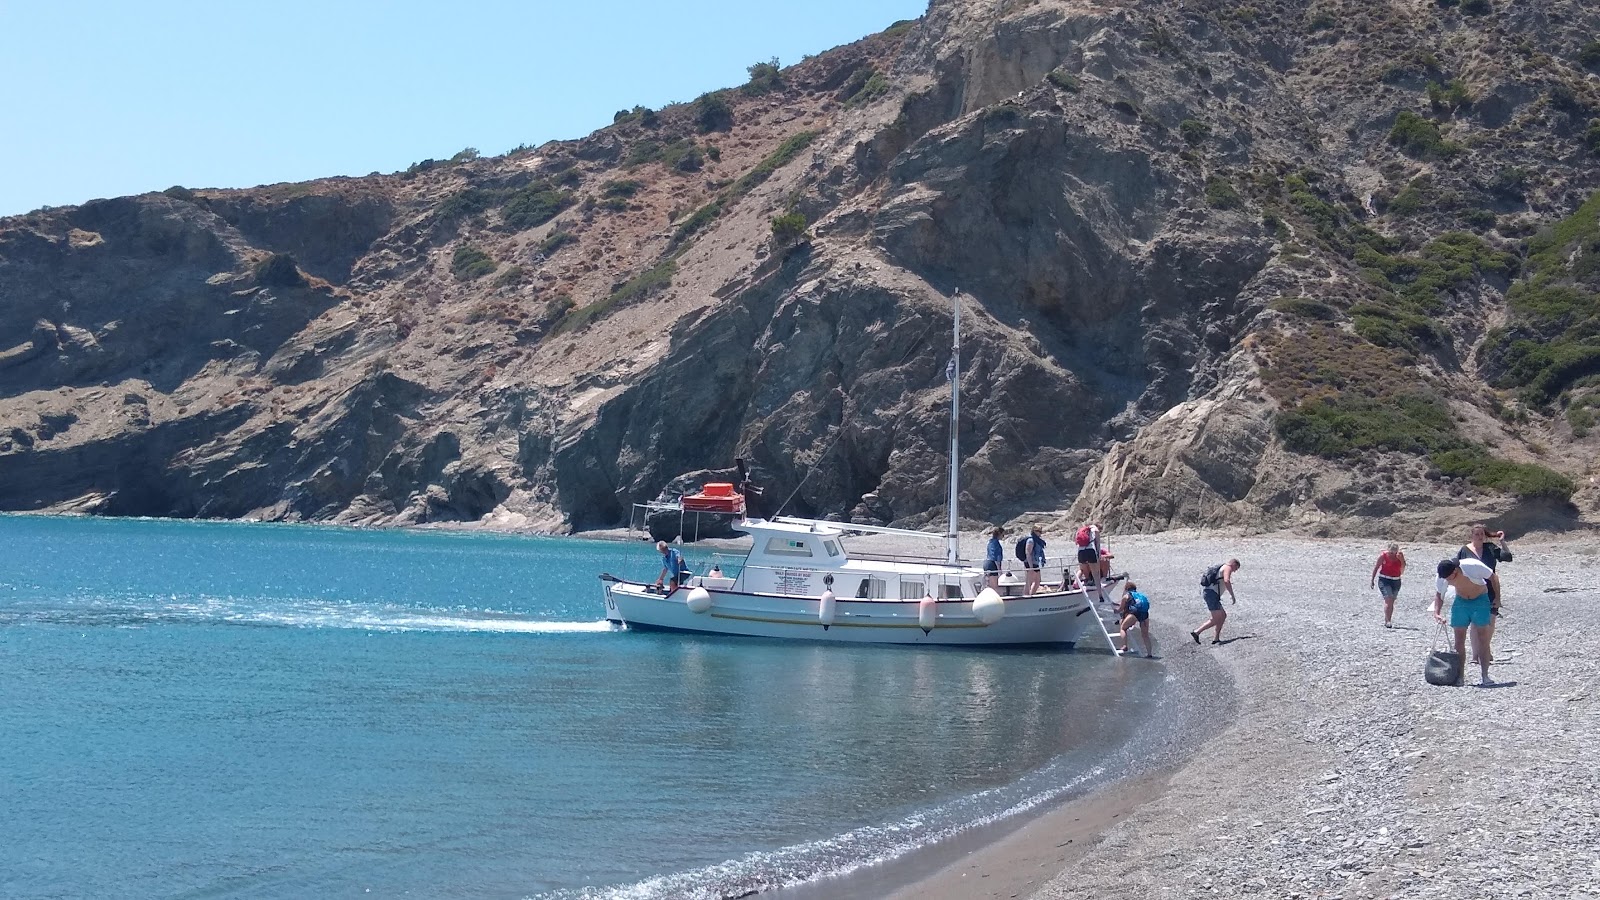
<point x="871" y="589"/>
<point x="952" y="592"/>
<point x="831" y="547"/>
<point x="787" y="547"/>
<point x="911" y="590"/>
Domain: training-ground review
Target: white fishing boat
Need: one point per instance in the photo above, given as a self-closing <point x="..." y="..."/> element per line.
<point x="800" y="581"/>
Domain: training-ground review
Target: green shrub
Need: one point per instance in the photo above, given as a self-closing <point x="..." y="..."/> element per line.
<point x="535" y="205"/>
<point x="899" y="28"/>
<point x="279" y="270"/>
<point x="1553" y="338"/>
<point x="1339" y="398"/>
<point x="625" y="187"/>
<point x="1421" y="138"/>
<point x="556" y="241"/>
<point x="702" y="217"/>
<point x="1343" y="426"/>
<point x="765" y="77"/>
<point x="712" y="112"/>
<point x="1416" y="196"/>
<point x="681" y="155"/>
<point x="788" y="228"/>
<point x="872" y="88"/>
<point x="705" y="215"/>
<point x="1481" y="219"/>
<point x="1511" y="182"/>
<point x="512" y="275"/>
<point x="713" y="153"/>
<point x="179" y="192"/>
<point x="1396" y="325"/>
<point x="1452" y="95"/>
<point x="1526" y="480"/>
<point x="470" y="202"/>
<point x="642" y="286"/>
<point x="469" y="263"/>
<point x="1125" y="107"/>
<point x="1194" y="131"/>
<point x="1321" y="20"/>
<point x="1477" y="7"/>
<point x="1305" y="307"/>
<point x="1591" y="137"/>
<point x="467" y="155"/>
<point x="1066" y="81"/>
<point x="1589" y="55"/>
<point x="1220" y="193"/>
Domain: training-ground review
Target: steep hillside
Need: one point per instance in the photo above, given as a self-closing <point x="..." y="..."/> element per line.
<point x="1328" y="265"/>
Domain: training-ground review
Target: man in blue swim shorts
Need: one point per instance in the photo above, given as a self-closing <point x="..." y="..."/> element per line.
<point x="1469" y="578"/>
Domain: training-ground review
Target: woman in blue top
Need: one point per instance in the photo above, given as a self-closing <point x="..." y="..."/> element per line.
<point x="1033" y="561"/>
<point x="993" y="556"/>
<point x="1135" y="610"/>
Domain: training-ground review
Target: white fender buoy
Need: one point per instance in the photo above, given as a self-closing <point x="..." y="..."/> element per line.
<point x="825" y="609"/>
<point x="927" y="611"/>
<point x="988" y="608"/>
<point x="699" y="600"/>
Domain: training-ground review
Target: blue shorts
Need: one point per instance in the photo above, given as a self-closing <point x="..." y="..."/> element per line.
<point x="991" y="567"/>
<point x="1213" y="599"/>
<point x="1388" y="587"/>
<point x="1470" y="612"/>
<point x="1139" y="613"/>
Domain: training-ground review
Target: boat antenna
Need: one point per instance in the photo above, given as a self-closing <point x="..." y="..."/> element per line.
<point x="952" y="371"/>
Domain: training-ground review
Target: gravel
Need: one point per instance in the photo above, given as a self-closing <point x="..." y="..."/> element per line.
<point x="1343" y="773"/>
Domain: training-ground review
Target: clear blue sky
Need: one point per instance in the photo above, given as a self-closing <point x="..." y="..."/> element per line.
<point x="107" y="98"/>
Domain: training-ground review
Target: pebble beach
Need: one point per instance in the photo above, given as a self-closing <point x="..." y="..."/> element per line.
<point x="1315" y="761"/>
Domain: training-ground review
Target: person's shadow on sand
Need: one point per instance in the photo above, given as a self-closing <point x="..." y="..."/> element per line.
<point x="1497" y="684"/>
<point x="1405" y="628"/>
<point x="1242" y="637"/>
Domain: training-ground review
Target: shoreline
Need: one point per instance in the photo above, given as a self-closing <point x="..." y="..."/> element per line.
<point x="1019" y="857"/>
<point x="1335" y="770"/>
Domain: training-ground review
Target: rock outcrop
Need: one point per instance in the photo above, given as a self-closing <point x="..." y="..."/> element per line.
<point x="1133" y="202"/>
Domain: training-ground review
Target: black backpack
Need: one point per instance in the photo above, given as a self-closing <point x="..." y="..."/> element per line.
<point x="1212" y="577"/>
<point x="1022" y="549"/>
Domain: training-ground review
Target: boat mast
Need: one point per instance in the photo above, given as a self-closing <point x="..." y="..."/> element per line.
<point x="952" y="551"/>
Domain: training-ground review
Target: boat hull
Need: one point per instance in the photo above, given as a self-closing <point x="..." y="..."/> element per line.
<point x="1057" y="619"/>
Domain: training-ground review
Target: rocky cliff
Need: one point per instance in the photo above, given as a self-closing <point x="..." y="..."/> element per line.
<point x="1324" y="265"/>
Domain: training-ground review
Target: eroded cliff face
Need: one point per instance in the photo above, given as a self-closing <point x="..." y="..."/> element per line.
<point x="542" y="339"/>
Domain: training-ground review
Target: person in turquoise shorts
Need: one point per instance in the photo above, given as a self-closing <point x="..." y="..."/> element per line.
<point x="1470" y="610"/>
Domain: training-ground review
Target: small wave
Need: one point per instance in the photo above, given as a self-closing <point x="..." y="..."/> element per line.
<point x="845" y="853"/>
<point x="92" y="613"/>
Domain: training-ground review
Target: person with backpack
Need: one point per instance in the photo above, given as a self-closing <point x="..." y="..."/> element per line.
<point x="993" y="556"/>
<point x="1031" y="551"/>
<point x="1212" y="583"/>
<point x="1134" y="609"/>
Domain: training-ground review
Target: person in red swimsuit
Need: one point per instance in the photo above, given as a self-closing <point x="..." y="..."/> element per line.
<point x="1386" y="574"/>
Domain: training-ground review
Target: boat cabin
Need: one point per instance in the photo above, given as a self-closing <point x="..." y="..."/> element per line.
<point x="800" y="558"/>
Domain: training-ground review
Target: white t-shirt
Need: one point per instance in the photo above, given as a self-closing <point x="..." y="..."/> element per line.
<point x="1475" y="570"/>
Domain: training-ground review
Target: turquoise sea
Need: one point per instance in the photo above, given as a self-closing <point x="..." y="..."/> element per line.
<point x="199" y="709"/>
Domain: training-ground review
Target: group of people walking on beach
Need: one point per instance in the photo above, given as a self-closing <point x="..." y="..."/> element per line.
<point x="1471" y="579"/>
<point x="1094" y="576"/>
